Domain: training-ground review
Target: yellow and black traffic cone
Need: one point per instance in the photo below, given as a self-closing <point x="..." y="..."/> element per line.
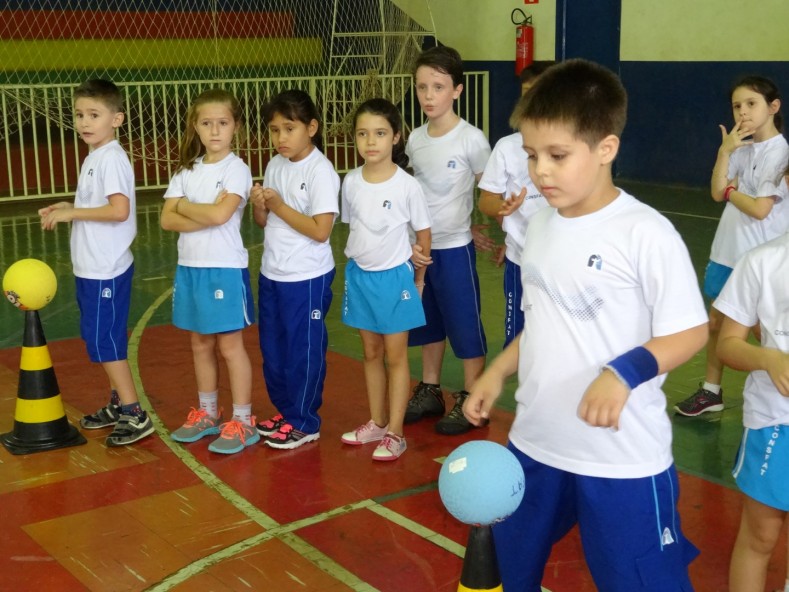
<point x="40" y="421"/>
<point x="480" y="568"/>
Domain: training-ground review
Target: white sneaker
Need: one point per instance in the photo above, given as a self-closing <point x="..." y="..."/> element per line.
<point x="390" y="448"/>
<point x="364" y="434"/>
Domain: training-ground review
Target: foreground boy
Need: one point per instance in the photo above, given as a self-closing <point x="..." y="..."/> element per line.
<point x="611" y="304"/>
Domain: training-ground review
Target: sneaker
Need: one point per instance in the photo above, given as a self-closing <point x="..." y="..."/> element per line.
<point x="364" y="434"/>
<point x="700" y="402"/>
<point x="287" y="438"/>
<point x="390" y="448"/>
<point x="427" y="400"/>
<point x="129" y="429"/>
<point x="234" y="436"/>
<point x="103" y="418"/>
<point x="271" y="425"/>
<point x="198" y="424"/>
<point x="454" y="422"/>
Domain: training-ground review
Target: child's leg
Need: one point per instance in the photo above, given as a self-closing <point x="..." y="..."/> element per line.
<point x="399" y="376"/>
<point x="472" y="370"/>
<point x="760" y="527"/>
<point x="273" y="341"/>
<point x="524" y="539"/>
<point x="432" y="360"/>
<point x="239" y="369"/>
<point x="714" y="373"/>
<point x="632" y="533"/>
<point x="375" y="375"/>
<point x="121" y="381"/>
<point x="204" y="358"/>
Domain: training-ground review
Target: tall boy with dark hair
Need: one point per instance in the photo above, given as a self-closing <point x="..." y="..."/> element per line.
<point x="448" y="156"/>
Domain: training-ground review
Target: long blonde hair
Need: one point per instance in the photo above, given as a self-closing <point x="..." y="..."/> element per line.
<point x="191" y="148"/>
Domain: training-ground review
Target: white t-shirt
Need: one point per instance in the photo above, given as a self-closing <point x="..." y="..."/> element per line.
<point x="380" y="215"/>
<point x="101" y="250"/>
<point x="213" y="246"/>
<point x="507" y="172"/>
<point x="758" y="292"/>
<point x="446" y="167"/>
<point x="595" y="287"/>
<point x="310" y="186"/>
<point x="759" y="170"/>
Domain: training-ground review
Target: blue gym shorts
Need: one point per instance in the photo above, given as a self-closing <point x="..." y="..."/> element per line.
<point x="211" y="300"/>
<point x="715" y="277"/>
<point x="104" y="315"/>
<point x="452" y="305"/>
<point x="630" y="530"/>
<point x="513" y="294"/>
<point x="761" y="466"/>
<point x="383" y="302"/>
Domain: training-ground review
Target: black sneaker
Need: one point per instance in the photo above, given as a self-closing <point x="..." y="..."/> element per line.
<point x="426" y="401"/>
<point x="455" y="422"/>
<point x="103" y="418"/>
<point x="130" y="429"/>
<point x="700" y="402"/>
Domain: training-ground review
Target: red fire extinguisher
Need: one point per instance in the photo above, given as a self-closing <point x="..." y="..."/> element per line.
<point x="524" y="40"/>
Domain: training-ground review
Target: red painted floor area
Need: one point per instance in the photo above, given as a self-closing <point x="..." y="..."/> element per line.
<point x="322" y="517"/>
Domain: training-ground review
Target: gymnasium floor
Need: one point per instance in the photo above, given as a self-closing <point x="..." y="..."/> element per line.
<point x="161" y="516"/>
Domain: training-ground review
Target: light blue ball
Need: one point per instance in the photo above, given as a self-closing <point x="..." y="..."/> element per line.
<point x="481" y="483"/>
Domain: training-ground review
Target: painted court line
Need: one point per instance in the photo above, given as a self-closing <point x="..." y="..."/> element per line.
<point x="273" y="529"/>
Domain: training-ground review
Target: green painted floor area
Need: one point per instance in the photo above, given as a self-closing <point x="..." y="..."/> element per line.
<point x="704" y="446"/>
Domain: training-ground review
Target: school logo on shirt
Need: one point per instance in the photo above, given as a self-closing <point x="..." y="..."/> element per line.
<point x="315" y="315"/>
<point x="303" y="187"/>
<point x="106" y="293"/>
<point x="405" y="295"/>
<point x="90" y="172"/>
<point x="219" y="295"/>
<point x="218" y="184"/>
<point x="452" y="164"/>
<point x="595" y="261"/>
<point x="387" y="204"/>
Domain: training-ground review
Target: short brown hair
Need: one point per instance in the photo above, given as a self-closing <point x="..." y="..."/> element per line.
<point x="581" y="94"/>
<point x="101" y="90"/>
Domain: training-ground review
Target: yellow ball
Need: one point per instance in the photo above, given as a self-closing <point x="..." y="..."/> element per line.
<point x="30" y="284"/>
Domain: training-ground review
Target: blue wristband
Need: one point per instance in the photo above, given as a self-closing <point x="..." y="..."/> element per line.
<point x="634" y="367"/>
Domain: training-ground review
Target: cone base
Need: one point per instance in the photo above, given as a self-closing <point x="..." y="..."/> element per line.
<point x="16" y="445"/>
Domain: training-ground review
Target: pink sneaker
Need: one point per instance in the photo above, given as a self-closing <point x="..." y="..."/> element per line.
<point x="364" y="434"/>
<point x="390" y="448"/>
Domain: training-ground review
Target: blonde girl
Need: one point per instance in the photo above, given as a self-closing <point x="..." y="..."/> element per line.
<point x="211" y="296"/>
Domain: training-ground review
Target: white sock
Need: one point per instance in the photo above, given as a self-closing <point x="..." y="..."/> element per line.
<point x="243" y="413"/>
<point x="209" y="402"/>
<point x="786" y="585"/>
<point x="713" y="388"/>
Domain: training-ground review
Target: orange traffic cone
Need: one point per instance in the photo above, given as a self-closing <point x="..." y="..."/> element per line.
<point x="40" y="421"/>
<point x="480" y="568"/>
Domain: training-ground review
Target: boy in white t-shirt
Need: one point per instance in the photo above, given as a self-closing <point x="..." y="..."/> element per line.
<point x="611" y="304"/>
<point x="508" y="194"/>
<point x="448" y="156"/>
<point x="104" y="225"/>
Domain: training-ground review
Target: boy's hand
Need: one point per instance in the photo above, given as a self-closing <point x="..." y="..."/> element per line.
<point x="59" y="212"/>
<point x="418" y="259"/>
<point x="483" y="395"/>
<point x="730" y="141"/>
<point x="778" y="369"/>
<point x="498" y="256"/>
<point x="603" y="401"/>
<point x="508" y="206"/>
<point x="256" y="196"/>
<point x="482" y="242"/>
